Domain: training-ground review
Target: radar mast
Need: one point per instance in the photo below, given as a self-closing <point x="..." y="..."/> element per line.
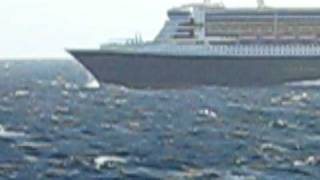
<point x="206" y="2"/>
<point x="261" y="4"/>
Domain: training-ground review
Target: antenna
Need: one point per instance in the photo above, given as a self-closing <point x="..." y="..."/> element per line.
<point x="221" y="3"/>
<point x="261" y="4"/>
<point x="206" y="1"/>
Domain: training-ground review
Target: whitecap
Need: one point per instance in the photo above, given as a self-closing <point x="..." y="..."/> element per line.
<point x="238" y="177"/>
<point x="197" y="173"/>
<point x="5" y="109"/>
<point x="299" y="163"/>
<point x="31" y="159"/>
<point x="9" y="134"/>
<point x="246" y="107"/>
<point x="279" y="123"/>
<point x="119" y="102"/>
<point x="40" y="82"/>
<point x="83" y="95"/>
<point x="6" y="66"/>
<point x="65" y="93"/>
<point x="70" y="86"/>
<point x="21" y="93"/>
<point x="283" y="124"/>
<point x="119" y="128"/>
<point x="62" y="110"/>
<point x="5" y="99"/>
<point x="92" y="85"/>
<point x="145" y="171"/>
<point x="291" y="98"/>
<point x="301" y="97"/>
<point x="307" y="83"/>
<point x="54" y="83"/>
<point x="313" y="137"/>
<point x="208" y="113"/>
<point x="189" y="173"/>
<point x="102" y="160"/>
<point x="106" y="126"/>
<point x="269" y="147"/>
<point x="55" y="117"/>
<point x="34" y="145"/>
<point x="309" y="161"/>
<point x="240" y="134"/>
<point x="134" y="125"/>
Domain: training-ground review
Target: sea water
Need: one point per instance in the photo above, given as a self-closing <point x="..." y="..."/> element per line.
<point x="54" y="124"/>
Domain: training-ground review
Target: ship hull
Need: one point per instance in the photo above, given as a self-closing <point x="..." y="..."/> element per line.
<point x="170" y="71"/>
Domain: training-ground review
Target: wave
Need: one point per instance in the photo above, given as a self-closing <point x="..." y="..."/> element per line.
<point x="102" y="160"/>
<point x="21" y="93"/>
<point x="93" y="84"/>
<point x="305" y="83"/>
<point x="10" y="134"/>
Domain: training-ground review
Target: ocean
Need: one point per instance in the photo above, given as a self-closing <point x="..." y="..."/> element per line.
<point x="54" y="124"/>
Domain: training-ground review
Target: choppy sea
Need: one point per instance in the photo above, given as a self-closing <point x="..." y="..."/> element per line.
<point x="55" y="125"/>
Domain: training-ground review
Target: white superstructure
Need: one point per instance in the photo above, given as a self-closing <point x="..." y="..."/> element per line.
<point x="211" y="29"/>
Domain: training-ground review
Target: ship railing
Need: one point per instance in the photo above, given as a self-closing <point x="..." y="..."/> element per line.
<point x="227" y="50"/>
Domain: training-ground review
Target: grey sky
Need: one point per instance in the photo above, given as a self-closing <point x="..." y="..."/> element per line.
<point x="43" y="28"/>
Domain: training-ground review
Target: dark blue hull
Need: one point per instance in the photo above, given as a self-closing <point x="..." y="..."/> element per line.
<point x="164" y="71"/>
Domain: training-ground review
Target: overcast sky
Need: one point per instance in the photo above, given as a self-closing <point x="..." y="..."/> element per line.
<point x="43" y="28"/>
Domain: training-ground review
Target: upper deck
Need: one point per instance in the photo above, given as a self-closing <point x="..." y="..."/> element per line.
<point x="214" y="23"/>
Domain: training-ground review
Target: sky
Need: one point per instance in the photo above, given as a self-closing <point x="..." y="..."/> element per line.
<point x="45" y="28"/>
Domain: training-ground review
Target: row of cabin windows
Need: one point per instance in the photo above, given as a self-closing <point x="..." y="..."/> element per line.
<point x="263" y="24"/>
<point x="247" y="33"/>
<point x="224" y="37"/>
<point x="253" y="20"/>
<point x="261" y="13"/>
<point x="258" y="19"/>
<point x="263" y="42"/>
<point x="263" y="28"/>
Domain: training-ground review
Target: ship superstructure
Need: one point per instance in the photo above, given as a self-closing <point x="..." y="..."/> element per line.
<point x="205" y="29"/>
<point x="214" y="24"/>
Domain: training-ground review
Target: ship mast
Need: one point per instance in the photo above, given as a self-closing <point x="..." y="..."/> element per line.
<point x="261" y="4"/>
<point x="206" y="2"/>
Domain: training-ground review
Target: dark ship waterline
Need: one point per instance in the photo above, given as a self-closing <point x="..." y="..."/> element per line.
<point x="207" y="44"/>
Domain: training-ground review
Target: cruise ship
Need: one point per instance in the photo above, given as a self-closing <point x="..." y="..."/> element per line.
<point x="204" y="44"/>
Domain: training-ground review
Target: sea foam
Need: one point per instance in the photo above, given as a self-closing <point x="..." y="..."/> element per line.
<point x="102" y="160"/>
<point x="9" y="134"/>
